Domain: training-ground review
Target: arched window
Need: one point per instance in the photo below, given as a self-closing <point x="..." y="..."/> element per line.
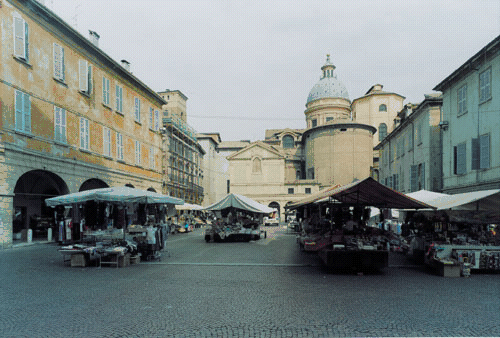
<point x="382" y="107"/>
<point x="382" y="131"/>
<point x="256" y="165"/>
<point x="288" y="141"/>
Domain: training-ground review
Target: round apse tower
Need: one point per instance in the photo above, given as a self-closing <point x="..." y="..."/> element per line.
<point x="336" y="149"/>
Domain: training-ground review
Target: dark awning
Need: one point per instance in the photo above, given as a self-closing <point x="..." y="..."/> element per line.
<point x="367" y="192"/>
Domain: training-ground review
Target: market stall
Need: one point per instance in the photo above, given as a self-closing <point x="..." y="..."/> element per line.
<point x="333" y="223"/>
<point x="114" y="226"/>
<point x="237" y="218"/>
<point x="460" y="235"/>
<point x="189" y="216"/>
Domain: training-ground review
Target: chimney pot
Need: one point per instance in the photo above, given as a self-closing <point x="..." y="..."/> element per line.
<point x="126" y="65"/>
<point x="94" y="38"/>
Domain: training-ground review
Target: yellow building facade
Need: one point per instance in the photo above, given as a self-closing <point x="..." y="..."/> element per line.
<point x="71" y="118"/>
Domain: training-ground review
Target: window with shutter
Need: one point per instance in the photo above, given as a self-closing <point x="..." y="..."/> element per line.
<point x="137" y="152"/>
<point x="83" y="76"/>
<point x="475" y="154"/>
<point x="84" y="133"/>
<point x="485" y="85"/>
<point x="421" y="176"/>
<point x="23" y="112"/>
<point x="414" y="178"/>
<point x="58" y="62"/>
<point x="59" y="124"/>
<point x="461" y="159"/>
<point x="157" y="120"/>
<point x="119" y="146"/>
<point x="21" y="38"/>
<point x="119" y="98"/>
<point x="137" y="109"/>
<point x="105" y="91"/>
<point x="484" y="145"/>
<point x="462" y="100"/>
<point x="151" y="118"/>
<point x="151" y="157"/>
<point x="106" y="141"/>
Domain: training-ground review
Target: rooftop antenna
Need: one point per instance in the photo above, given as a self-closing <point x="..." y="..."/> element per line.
<point x="75" y="17"/>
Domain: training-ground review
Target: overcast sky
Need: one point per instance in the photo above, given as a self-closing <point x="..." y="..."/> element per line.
<point x="247" y="66"/>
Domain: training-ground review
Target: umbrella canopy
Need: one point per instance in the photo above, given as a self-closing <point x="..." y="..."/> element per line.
<point x="115" y="195"/>
<point x="240" y="202"/>
<point x="367" y="192"/>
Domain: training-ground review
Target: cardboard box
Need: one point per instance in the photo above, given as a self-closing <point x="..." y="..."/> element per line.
<point x="135" y="259"/>
<point x="78" y="260"/>
<point x="124" y="260"/>
<point x="449" y="270"/>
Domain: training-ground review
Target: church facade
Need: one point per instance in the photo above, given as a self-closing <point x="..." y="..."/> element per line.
<point x="335" y="147"/>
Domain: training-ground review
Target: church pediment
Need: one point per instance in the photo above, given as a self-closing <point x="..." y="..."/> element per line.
<point x="257" y="149"/>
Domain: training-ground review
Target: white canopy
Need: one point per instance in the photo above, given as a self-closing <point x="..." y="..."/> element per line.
<point x="240" y="202"/>
<point x="115" y="195"/>
<point x="471" y="207"/>
<point x="477" y="200"/>
<point x="425" y="195"/>
<point x="188" y="206"/>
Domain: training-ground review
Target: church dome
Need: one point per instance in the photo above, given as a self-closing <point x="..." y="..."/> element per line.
<point x="328" y="86"/>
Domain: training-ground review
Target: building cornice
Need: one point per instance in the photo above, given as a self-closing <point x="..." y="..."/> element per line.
<point x="372" y="129"/>
<point x="470" y="65"/>
<point x="38" y="12"/>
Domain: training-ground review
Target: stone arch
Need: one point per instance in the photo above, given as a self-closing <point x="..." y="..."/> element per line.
<point x="129" y="185"/>
<point x="30" y="192"/>
<point x="277" y="206"/>
<point x="93" y="183"/>
<point x="151" y="189"/>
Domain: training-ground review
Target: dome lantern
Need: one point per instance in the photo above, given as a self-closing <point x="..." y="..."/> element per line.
<point x="328" y="85"/>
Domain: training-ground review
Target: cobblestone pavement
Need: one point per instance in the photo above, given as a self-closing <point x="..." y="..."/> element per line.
<point x="266" y="288"/>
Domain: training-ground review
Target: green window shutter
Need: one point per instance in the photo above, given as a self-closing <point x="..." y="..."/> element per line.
<point x="484" y="145"/>
<point x="58" y="61"/>
<point x="117" y="95"/>
<point x="90" y="80"/>
<point x="63" y="125"/>
<point x="422" y="176"/>
<point x="19" y="111"/>
<point x="475" y="153"/>
<point x="83" y="76"/>
<point x="57" y="123"/>
<point x="82" y="132"/>
<point x="461" y="159"/>
<point x="413" y="178"/>
<point x="19" y="38"/>
<point x="62" y="65"/>
<point x="26" y="43"/>
<point x="157" y="120"/>
<point x="27" y="113"/>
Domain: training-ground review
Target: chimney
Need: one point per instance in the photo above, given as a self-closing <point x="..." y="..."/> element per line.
<point x="94" y="38"/>
<point x="126" y="65"/>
